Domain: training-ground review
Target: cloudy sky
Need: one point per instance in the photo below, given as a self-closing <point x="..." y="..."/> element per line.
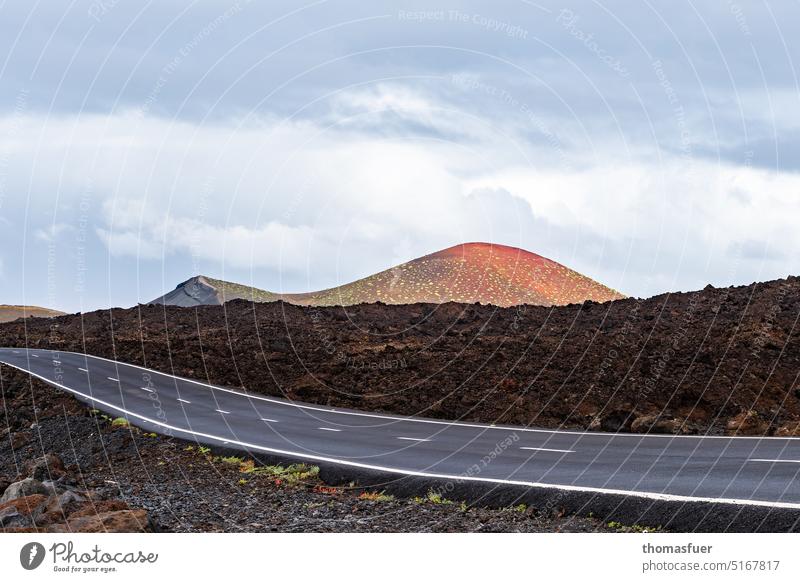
<point x="296" y="145"/>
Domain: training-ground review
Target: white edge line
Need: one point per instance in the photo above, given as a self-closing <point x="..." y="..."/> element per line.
<point x="548" y="450"/>
<point x="774" y="460"/>
<point x="533" y="484"/>
<point x="431" y="421"/>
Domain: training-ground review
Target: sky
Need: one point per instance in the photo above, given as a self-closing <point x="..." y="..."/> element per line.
<point x="294" y="146"/>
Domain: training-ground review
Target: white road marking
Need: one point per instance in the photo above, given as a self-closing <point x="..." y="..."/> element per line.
<point x="34" y="355"/>
<point x="222" y="411"/>
<point x="548" y="450"/>
<point x="145" y="388"/>
<point x="775" y="460"/>
<point x="330" y="429"/>
<point x="15" y="351"/>
<point x="113" y="379"/>
<point x="83" y="370"/>
<point x="184" y="401"/>
<point x="269" y="420"/>
<point x="413" y="439"/>
<point x="398" y="471"/>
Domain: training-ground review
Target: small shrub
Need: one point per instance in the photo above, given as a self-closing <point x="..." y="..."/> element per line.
<point x="120" y="422"/>
<point x="375" y="496"/>
<point x="231" y="460"/>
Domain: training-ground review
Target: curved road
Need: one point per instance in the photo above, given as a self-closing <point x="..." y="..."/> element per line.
<point x="759" y="471"/>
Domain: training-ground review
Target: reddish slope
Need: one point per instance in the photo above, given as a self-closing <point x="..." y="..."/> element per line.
<point x="12" y="312"/>
<point x="468" y="273"/>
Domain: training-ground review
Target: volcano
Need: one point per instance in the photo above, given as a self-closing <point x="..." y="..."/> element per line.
<point x="12" y="312"/>
<point x="467" y="273"/>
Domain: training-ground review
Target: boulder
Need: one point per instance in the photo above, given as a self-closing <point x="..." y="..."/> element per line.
<point x="790" y="429"/>
<point x="20" y="439"/>
<point x="48" y="467"/>
<point x="22" y="511"/>
<point x="89" y="508"/>
<point x="746" y="422"/>
<point x="653" y="424"/>
<point x="614" y="421"/>
<point x="58" y="507"/>
<point x="128" y="520"/>
<point x="24" y="488"/>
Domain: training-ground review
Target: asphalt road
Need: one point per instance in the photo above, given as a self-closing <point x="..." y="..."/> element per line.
<point x="759" y="471"/>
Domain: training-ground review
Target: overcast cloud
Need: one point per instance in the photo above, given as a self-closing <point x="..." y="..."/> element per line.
<point x="653" y="146"/>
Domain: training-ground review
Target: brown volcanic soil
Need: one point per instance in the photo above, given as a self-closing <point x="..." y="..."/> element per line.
<point x="716" y="360"/>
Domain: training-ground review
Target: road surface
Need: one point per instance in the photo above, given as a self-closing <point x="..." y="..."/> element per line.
<point x="760" y="471"/>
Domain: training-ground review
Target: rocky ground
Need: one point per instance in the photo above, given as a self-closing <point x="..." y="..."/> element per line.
<point x="65" y="467"/>
<point x="711" y="361"/>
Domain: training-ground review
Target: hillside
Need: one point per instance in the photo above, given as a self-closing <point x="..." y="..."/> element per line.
<point x="715" y="360"/>
<point x="469" y="273"/>
<point x="12" y="312"/>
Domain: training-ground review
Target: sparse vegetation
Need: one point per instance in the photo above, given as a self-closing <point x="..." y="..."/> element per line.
<point x="433" y="497"/>
<point x="231" y="460"/>
<point x="291" y="474"/>
<point x="121" y="422"/>
<point x="375" y="496"/>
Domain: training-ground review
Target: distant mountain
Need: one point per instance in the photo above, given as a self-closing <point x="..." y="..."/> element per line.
<point x="468" y="273"/>
<point x="12" y="312"/>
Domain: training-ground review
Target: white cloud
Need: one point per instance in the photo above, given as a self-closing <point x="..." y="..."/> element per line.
<point x="51" y="232"/>
<point x="324" y="204"/>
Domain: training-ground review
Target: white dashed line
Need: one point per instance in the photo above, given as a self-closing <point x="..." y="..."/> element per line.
<point x="146" y="389"/>
<point x="775" y="460"/>
<point x="83" y="370"/>
<point x="184" y="401"/>
<point x="34" y="355"/>
<point x="113" y="379"/>
<point x="222" y="411"/>
<point x="413" y="439"/>
<point x="269" y="420"/>
<point x="330" y="429"/>
<point x="15" y="351"/>
<point x="547" y="450"/>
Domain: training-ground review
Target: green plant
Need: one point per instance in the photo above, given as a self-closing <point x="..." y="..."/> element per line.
<point x="203" y="450"/>
<point x="375" y="496"/>
<point x="231" y="460"/>
<point x="242" y="481"/>
<point x="120" y="422"/>
<point x="291" y="474"/>
<point x="433" y="497"/>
